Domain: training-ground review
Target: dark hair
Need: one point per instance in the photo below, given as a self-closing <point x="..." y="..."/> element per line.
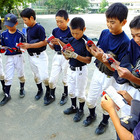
<point x="77" y="23"/>
<point x="135" y="23"/>
<point x="28" y="12"/>
<point x="117" y="10"/>
<point x="62" y="13"/>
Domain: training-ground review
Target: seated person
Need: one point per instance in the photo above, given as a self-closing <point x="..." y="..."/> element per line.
<point x="123" y="131"/>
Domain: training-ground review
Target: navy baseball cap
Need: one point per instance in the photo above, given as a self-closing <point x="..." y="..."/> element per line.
<point x="10" y="20"/>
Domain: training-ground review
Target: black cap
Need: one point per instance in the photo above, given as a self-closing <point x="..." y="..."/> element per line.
<point x="10" y="20"/>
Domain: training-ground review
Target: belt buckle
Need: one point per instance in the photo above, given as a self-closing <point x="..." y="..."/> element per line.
<point x="59" y="53"/>
<point x="72" y="68"/>
<point x="38" y="53"/>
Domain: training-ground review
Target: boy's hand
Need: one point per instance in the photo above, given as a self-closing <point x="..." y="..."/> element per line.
<point x="107" y="103"/>
<point x="90" y="43"/>
<point x="108" y="58"/>
<point x="64" y="55"/>
<point x="2" y="49"/>
<point x="125" y="95"/>
<point x="91" y="47"/>
<point x="49" y="39"/>
<point x="70" y="54"/>
<point x="123" y="72"/>
<point x="68" y="47"/>
<point x="104" y="58"/>
<point x="19" y="48"/>
<point x="97" y="52"/>
<point x="55" y="41"/>
<point x="25" y="46"/>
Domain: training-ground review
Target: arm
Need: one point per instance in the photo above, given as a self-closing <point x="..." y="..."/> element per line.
<point x="72" y="54"/>
<point x="56" y="41"/>
<point x="105" y="61"/>
<point x="69" y="54"/>
<point x="50" y="44"/>
<point x="34" y="45"/>
<point x="125" y="73"/>
<point x="84" y="59"/>
<point x="108" y="105"/>
<point x="100" y="55"/>
<point x="96" y="52"/>
<point x="125" y="95"/>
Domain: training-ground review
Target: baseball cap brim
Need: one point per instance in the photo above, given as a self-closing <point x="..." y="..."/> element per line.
<point x="9" y="24"/>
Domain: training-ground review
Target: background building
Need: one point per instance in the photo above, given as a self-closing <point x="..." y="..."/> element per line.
<point x="133" y="5"/>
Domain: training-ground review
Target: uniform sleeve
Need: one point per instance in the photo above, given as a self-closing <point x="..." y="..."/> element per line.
<point x="53" y="32"/>
<point x="98" y="43"/>
<point x="123" y="50"/>
<point x="134" y="49"/>
<point x="89" y="54"/>
<point x="41" y="33"/>
<point x="136" y="132"/>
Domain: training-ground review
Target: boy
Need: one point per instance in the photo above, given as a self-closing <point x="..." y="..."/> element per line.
<point x="77" y="72"/>
<point x="60" y="64"/>
<point x="112" y="39"/>
<point x="127" y="128"/>
<point x="133" y="59"/>
<point x="133" y="53"/>
<point x="1" y="66"/>
<point x="36" y="46"/>
<point x="132" y="63"/>
<point x="1" y="74"/>
<point x="10" y="38"/>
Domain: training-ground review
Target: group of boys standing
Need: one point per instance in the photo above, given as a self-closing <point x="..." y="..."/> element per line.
<point x="73" y="64"/>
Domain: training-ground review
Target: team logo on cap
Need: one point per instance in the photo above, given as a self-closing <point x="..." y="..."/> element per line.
<point x="8" y="18"/>
<point x="125" y="119"/>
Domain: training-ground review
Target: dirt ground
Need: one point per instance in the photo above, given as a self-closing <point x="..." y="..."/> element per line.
<point x="26" y="119"/>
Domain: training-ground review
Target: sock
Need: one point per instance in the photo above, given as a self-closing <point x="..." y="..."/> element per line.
<point x="52" y="92"/>
<point x="7" y="89"/>
<point x="66" y="90"/>
<point x="81" y="106"/>
<point x="73" y="101"/>
<point x="2" y="83"/>
<point x="22" y="85"/>
<point x="92" y="111"/>
<point x="39" y="86"/>
<point x="47" y="89"/>
<point x="105" y="118"/>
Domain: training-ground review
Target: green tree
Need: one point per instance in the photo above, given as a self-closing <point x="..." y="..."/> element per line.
<point x="7" y="5"/>
<point x="69" y="5"/>
<point x="103" y="6"/>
